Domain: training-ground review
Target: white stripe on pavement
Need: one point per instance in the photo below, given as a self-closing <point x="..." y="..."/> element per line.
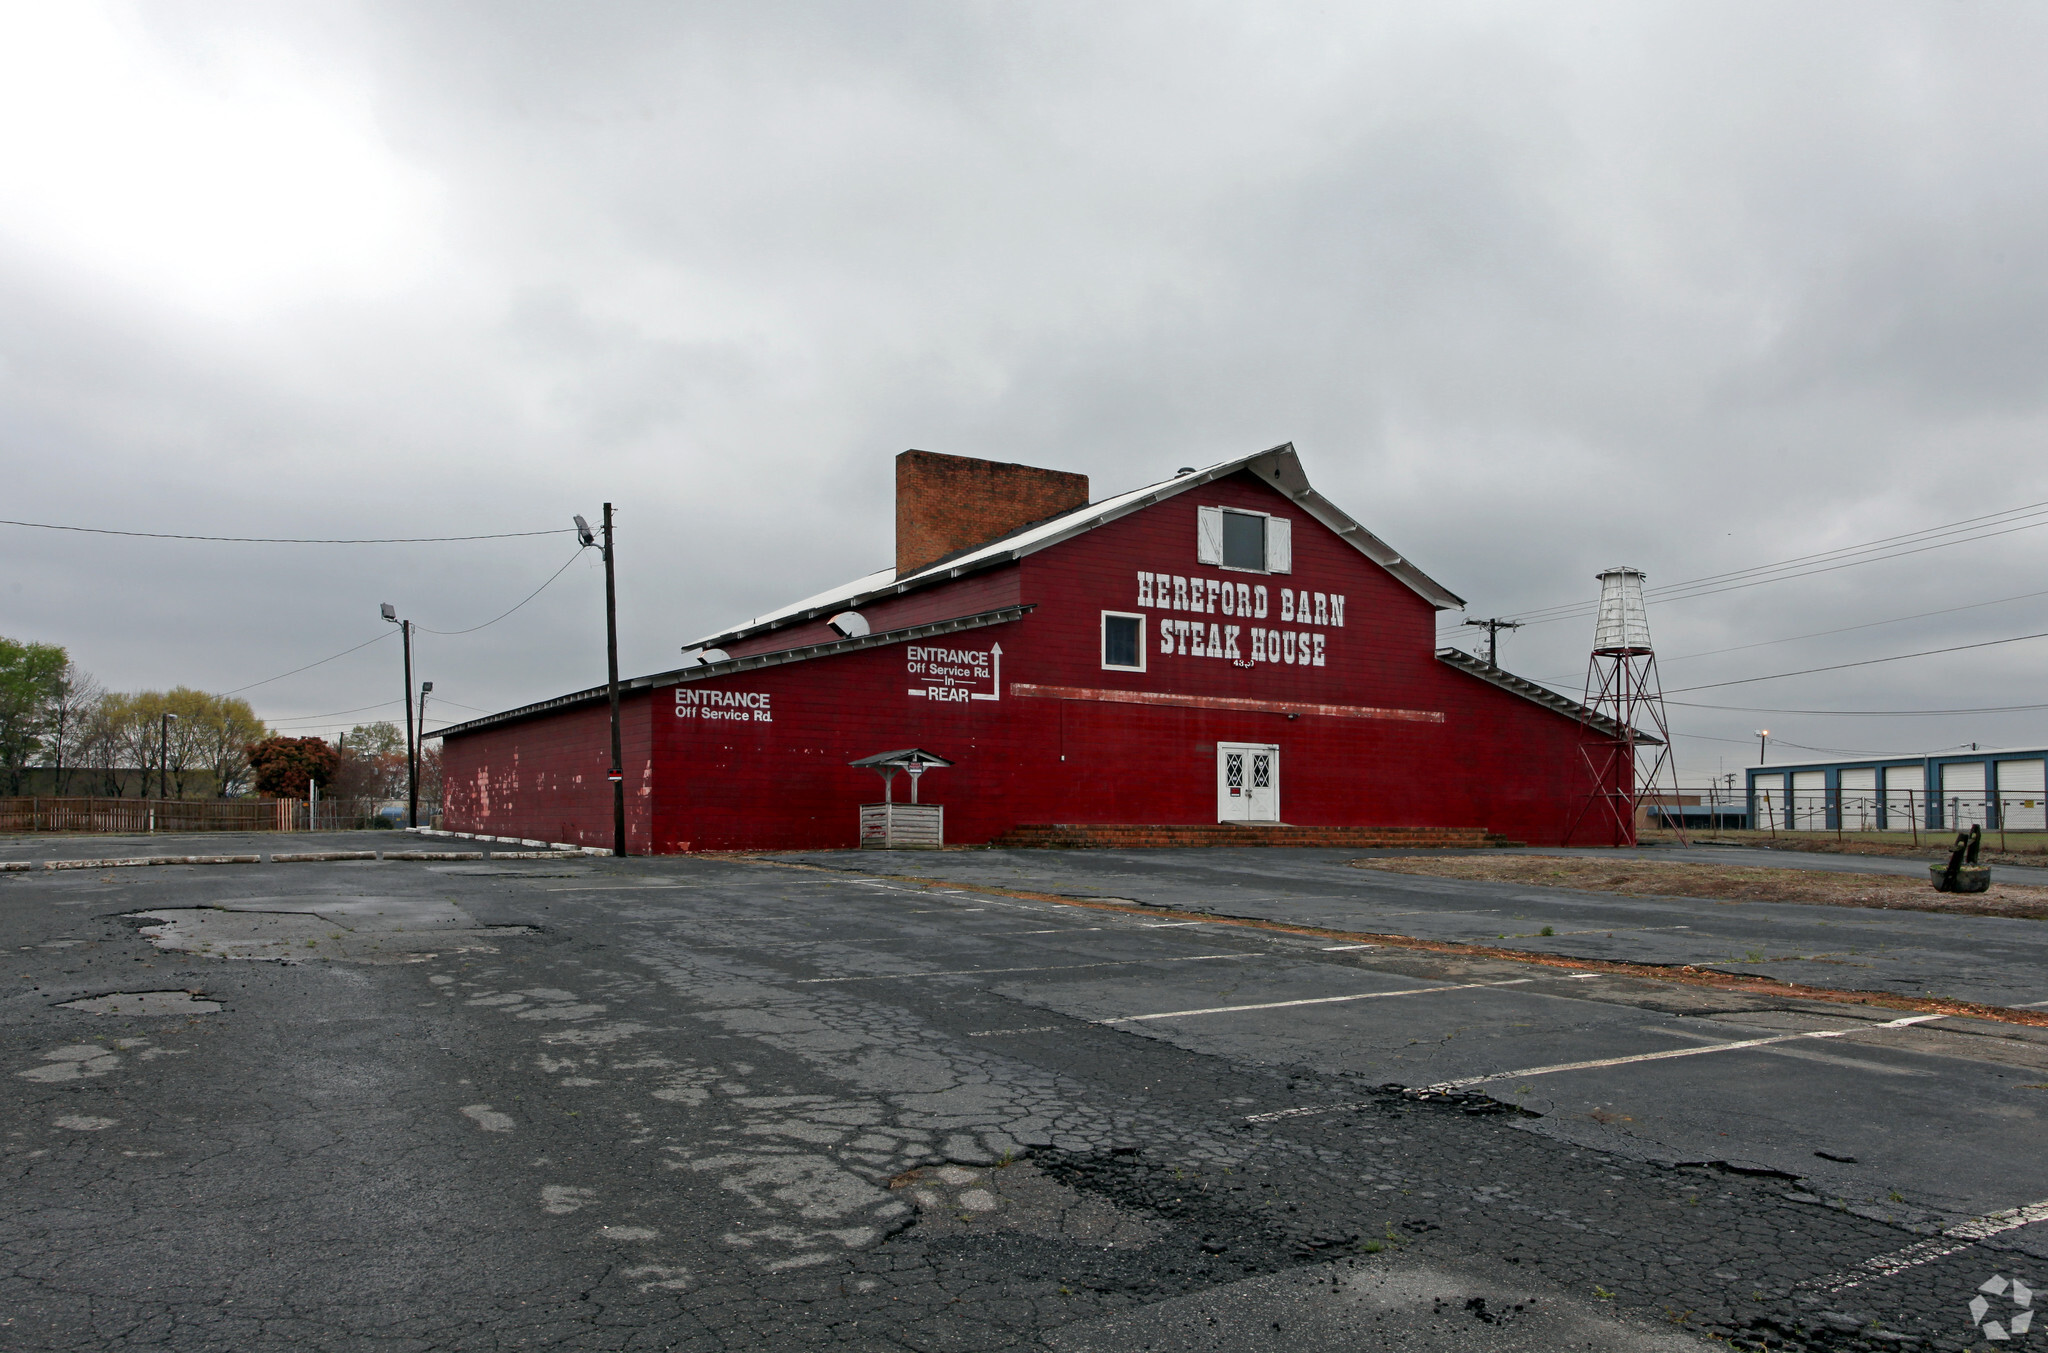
<point x="1312" y="1000"/>
<point x="1676" y="1052"/>
<point x="1036" y="967"/>
<point x="1927" y="1251"/>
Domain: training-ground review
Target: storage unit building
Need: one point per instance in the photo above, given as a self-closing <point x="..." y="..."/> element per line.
<point x="2001" y="787"/>
<point x="1225" y="647"/>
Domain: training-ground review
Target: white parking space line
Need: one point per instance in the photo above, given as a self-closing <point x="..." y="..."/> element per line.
<point x="1036" y="967"/>
<point x="1927" y="1251"/>
<point x="1056" y="930"/>
<point x="622" y="887"/>
<point x="1604" y="930"/>
<point x="1163" y="925"/>
<point x="1669" y="1053"/>
<point x="1310" y="1000"/>
<point x="1338" y="948"/>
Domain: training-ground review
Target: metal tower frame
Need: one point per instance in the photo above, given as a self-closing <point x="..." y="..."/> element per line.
<point x="1624" y="692"/>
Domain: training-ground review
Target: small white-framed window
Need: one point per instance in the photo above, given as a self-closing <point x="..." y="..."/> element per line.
<point x="1244" y="542"/>
<point x="1123" y="641"/>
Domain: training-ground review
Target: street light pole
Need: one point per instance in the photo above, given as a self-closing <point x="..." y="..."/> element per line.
<point x="617" y="774"/>
<point x="425" y="687"/>
<point x="412" y="754"/>
<point x="1763" y="744"/>
<point x="163" y="756"/>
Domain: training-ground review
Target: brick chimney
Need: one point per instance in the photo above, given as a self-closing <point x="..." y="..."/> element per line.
<point x="945" y="504"/>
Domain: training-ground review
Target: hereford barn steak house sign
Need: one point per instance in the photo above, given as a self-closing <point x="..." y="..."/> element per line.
<point x="1246" y="601"/>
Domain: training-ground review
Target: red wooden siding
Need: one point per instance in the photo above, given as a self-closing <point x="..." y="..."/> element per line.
<point x="544" y="779"/>
<point x="766" y="768"/>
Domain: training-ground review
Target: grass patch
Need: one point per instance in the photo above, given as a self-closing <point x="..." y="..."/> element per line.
<point x="1728" y="883"/>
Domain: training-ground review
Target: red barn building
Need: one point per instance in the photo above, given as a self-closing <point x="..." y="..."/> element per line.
<point x="1226" y="647"/>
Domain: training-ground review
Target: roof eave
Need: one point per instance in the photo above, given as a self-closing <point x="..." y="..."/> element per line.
<point x="1539" y="695"/>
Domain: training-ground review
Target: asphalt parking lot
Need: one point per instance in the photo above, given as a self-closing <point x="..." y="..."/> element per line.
<point x="937" y="1102"/>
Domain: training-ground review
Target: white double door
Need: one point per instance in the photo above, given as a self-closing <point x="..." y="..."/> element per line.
<point x="1247" y="782"/>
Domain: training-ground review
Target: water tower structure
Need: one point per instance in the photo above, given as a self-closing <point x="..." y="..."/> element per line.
<point x="1624" y="719"/>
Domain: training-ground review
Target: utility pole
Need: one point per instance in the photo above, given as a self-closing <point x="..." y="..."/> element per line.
<point x="412" y="753"/>
<point x="1493" y="629"/>
<point x="617" y="774"/>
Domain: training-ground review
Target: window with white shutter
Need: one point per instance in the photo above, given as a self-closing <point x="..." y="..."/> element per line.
<point x="1209" y="535"/>
<point x="1279" y="545"/>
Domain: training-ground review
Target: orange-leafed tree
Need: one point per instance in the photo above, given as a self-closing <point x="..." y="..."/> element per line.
<point x="283" y="766"/>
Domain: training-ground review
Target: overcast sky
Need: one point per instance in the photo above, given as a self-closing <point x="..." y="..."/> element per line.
<point x="1533" y="289"/>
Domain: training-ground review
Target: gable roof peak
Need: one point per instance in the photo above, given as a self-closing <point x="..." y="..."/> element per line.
<point x="1278" y="468"/>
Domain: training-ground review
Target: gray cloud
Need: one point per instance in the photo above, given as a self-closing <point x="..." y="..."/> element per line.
<point x="1533" y="291"/>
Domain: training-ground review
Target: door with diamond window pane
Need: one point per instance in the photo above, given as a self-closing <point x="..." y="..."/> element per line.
<point x="1247" y="782"/>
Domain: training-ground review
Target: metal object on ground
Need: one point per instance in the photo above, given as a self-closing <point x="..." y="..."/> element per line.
<point x="1962" y="873"/>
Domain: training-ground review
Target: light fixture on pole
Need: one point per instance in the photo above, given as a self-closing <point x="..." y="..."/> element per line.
<point x="425" y="687"/>
<point x="163" y="755"/>
<point x="1763" y="744"/>
<point x="412" y="755"/>
<point x="617" y="773"/>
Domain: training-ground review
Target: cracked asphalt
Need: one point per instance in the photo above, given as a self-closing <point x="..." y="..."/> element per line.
<point x="880" y="1102"/>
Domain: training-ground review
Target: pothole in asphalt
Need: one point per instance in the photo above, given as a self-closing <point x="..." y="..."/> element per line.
<point x="961" y="1200"/>
<point x="350" y="932"/>
<point x="145" y="1003"/>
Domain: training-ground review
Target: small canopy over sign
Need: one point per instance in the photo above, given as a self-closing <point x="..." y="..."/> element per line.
<point x="903" y="760"/>
<point x="916" y="760"/>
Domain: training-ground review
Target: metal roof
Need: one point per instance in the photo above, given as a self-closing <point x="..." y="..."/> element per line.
<point x="1278" y="468"/>
<point x="1966" y="754"/>
<point x="1529" y="690"/>
<point x="909" y="756"/>
<point x="704" y="671"/>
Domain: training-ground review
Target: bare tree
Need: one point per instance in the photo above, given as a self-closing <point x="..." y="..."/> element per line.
<point x="103" y="745"/>
<point x="221" y="728"/>
<point x="77" y="696"/>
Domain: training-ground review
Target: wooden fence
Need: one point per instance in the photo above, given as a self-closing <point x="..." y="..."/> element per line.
<point x="46" y="814"/>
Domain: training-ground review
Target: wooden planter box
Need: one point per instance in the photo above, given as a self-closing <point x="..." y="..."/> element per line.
<point x="902" y="826"/>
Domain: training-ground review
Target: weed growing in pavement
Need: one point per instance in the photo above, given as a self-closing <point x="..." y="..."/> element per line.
<point x="1602" y="1293"/>
<point x="1549" y="930"/>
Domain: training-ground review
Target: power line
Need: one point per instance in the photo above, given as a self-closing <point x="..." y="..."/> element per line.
<point x="1835" y="751"/>
<point x="1863" y="713"/>
<point x="281" y="540"/>
<point x="311" y="665"/>
<point x="1822" y="634"/>
<point x="1867" y="662"/>
<point x="332" y="714"/>
<point x="1871" y="624"/>
<point x="529" y="597"/>
<point x="1826" y="561"/>
<point x="388" y="633"/>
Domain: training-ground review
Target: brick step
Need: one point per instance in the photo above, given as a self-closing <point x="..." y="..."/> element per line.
<point x="1086" y="836"/>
